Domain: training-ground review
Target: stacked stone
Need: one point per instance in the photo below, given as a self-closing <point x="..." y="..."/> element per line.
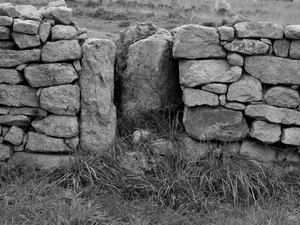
<point x="40" y="56"/>
<point x="240" y="81"/>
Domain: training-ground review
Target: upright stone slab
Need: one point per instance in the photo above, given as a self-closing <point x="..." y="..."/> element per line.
<point x="98" y="113"/>
<point x="150" y="80"/>
<point x="197" y="42"/>
<point x="273" y="70"/>
<point x="205" y="123"/>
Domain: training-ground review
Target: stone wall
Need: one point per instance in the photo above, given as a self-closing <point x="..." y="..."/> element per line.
<point x="56" y="88"/>
<point x="241" y="82"/>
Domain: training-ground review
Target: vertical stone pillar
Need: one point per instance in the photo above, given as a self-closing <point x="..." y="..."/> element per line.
<point x="98" y="113"/>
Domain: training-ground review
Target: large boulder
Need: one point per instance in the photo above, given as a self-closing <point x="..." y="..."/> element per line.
<point x="61" y="100"/>
<point x="195" y="42"/>
<point x="247" y="47"/>
<point x="259" y="30"/>
<point x="43" y="75"/>
<point x="98" y="113"/>
<point x="246" y="89"/>
<point x="273" y="114"/>
<point x="282" y="97"/>
<point x="57" y="126"/>
<point x="270" y="69"/>
<point x="11" y="58"/>
<point x="205" y="123"/>
<point x="198" y="72"/>
<point x="150" y="80"/>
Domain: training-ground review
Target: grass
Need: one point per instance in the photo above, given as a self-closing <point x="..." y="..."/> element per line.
<point x="98" y="189"/>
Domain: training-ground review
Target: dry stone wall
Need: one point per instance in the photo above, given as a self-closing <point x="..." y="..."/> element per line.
<point x="240" y="82"/>
<point x="56" y="88"/>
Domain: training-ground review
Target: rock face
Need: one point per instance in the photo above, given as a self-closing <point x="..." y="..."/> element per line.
<point x="43" y="75"/>
<point x="193" y="97"/>
<point x="266" y="132"/>
<point x="198" y="72"/>
<point x="259" y="30"/>
<point x="204" y="123"/>
<point x="197" y="42"/>
<point x="247" y="47"/>
<point x="269" y="69"/>
<point x="290" y="136"/>
<point x="57" y="126"/>
<point x="61" y="100"/>
<point x="62" y="50"/>
<point x="274" y="114"/>
<point x="98" y="113"/>
<point x="247" y="89"/>
<point x="41" y="143"/>
<point x="150" y="80"/>
<point x="10" y="58"/>
<point x="282" y="97"/>
<point x="18" y="95"/>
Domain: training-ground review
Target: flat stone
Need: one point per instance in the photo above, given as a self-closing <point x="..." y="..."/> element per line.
<point x="259" y="30"/>
<point x="292" y="31"/>
<point x="247" y="47"/>
<point x="41" y="143"/>
<point x="28" y="111"/>
<point x="195" y="42"/>
<point x="5" y="152"/>
<point x="57" y="126"/>
<point x="26" y="26"/>
<point x="194" y="97"/>
<point x="273" y="114"/>
<point x="295" y="50"/>
<point x="273" y="70"/>
<point x="19" y="121"/>
<point x="10" y="76"/>
<point x="6" y="21"/>
<point x="24" y="41"/>
<point x="8" y="9"/>
<point x="258" y="151"/>
<point x="215" y="88"/>
<point x="98" y="113"/>
<point x="7" y="45"/>
<point x="282" y="47"/>
<point x="46" y="162"/>
<point x="290" y="136"/>
<point x="14" y="136"/>
<point x="61" y="100"/>
<point x="61" y="15"/>
<point x="282" y="97"/>
<point x="4" y="111"/>
<point x="235" y="106"/>
<point x="64" y="50"/>
<point x="204" y="123"/>
<point x="43" y="75"/>
<point x="10" y="58"/>
<point x="18" y="95"/>
<point x="63" y="32"/>
<point x="29" y="12"/>
<point x="198" y="72"/>
<point x="226" y="33"/>
<point x="44" y="31"/>
<point x="266" y="132"/>
<point x="246" y="89"/>
<point x="235" y="59"/>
